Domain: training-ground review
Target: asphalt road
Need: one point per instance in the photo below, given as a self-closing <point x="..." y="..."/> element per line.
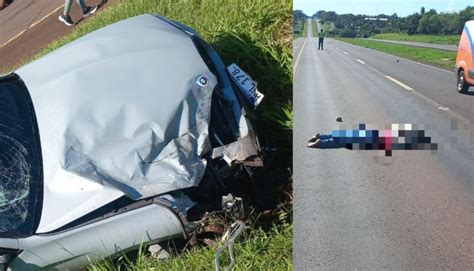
<point x="22" y="13"/>
<point x="446" y="47"/>
<point x="360" y="209"/>
<point x="27" y="26"/>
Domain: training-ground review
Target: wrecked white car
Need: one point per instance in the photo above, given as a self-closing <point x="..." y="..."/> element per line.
<point x="107" y="142"/>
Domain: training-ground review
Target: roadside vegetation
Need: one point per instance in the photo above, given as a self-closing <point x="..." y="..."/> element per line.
<point x="314" y="27"/>
<point x="424" y="26"/>
<point x="440" y="58"/>
<point x="299" y="24"/>
<point x="328" y="28"/>
<point x="436" y="39"/>
<point x="301" y="29"/>
<point x="256" y="35"/>
<point x="424" y="22"/>
<point x="256" y="250"/>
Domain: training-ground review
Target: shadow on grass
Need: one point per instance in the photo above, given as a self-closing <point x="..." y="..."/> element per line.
<point x="270" y="66"/>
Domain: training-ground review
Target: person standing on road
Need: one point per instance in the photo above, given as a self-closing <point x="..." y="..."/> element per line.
<point x="86" y="11"/>
<point x="321" y="36"/>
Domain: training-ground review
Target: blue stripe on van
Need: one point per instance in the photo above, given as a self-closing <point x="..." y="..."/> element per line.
<point x="470" y="41"/>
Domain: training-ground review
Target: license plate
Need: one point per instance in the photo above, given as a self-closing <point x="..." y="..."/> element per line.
<point x="247" y="86"/>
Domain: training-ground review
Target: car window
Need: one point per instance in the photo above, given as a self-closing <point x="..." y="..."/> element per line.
<point x="20" y="164"/>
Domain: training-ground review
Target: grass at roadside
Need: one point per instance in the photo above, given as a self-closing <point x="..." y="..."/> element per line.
<point x="315" y="27"/>
<point x="437" y="39"/>
<point x="440" y="58"/>
<point x="300" y="29"/>
<point x="255" y="250"/>
<point x="329" y="28"/>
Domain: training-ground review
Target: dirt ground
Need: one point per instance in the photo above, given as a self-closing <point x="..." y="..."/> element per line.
<point x="40" y="30"/>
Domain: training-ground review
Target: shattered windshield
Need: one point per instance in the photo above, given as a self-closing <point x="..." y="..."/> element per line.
<point x="19" y="161"/>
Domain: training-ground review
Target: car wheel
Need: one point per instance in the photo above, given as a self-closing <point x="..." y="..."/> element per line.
<point x="463" y="86"/>
<point x="3" y="3"/>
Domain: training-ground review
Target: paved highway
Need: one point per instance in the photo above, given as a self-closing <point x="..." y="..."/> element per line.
<point x="21" y="14"/>
<point x="359" y="209"/>
<point x="27" y="26"/>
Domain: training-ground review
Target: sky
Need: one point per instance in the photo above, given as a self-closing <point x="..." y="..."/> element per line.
<point x="375" y="7"/>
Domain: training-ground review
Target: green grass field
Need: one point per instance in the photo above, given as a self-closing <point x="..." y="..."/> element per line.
<point x="257" y="35"/>
<point x="440" y="58"/>
<point x="255" y="250"/>
<point x="437" y="39"/>
<point x="315" y="27"/>
<point x="328" y="27"/>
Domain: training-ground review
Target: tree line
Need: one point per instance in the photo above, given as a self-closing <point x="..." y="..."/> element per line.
<point x="424" y="22"/>
<point x="299" y="19"/>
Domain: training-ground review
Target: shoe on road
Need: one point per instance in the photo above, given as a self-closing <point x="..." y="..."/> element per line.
<point x="314" y="138"/>
<point x="66" y="19"/>
<point x="90" y="10"/>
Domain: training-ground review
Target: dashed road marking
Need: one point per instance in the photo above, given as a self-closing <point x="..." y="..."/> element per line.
<point x="416" y="93"/>
<point x="412" y="61"/>
<point x="31" y="26"/>
<point x="360" y="61"/>
<point x="398" y="82"/>
<point x="346" y="53"/>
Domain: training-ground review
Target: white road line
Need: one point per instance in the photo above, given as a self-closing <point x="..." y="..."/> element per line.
<point x="423" y="97"/>
<point x="412" y="61"/>
<point x="423" y="64"/>
<point x="360" y="61"/>
<point x="346" y="53"/>
<point x="31" y="26"/>
<point x="398" y="82"/>
<point x="14" y="37"/>
<point x="299" y="55"/>
<point x="46" y="16"/>
<point x="416" y="62"/>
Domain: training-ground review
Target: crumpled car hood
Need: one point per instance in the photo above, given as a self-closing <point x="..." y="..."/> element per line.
<point x="119" y="113"/>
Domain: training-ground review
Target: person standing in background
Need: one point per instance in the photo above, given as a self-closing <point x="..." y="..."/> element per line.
<point x="86" y="11"/>
<point x="321" y="36"/>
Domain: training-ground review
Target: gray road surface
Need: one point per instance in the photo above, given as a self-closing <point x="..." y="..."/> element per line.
<point x="445" y="47"/>
<point x="359" y="209"/>
<point x="22" y="13"/>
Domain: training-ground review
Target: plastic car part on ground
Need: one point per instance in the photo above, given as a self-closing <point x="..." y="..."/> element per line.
<point x="234" y="231"/>
<point x="136" y="123"/>
<point x="233" y="206"/>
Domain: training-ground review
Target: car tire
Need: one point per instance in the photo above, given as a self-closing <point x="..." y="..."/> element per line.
<point x="3" y="4"/>
<point x="462" y="85"/>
